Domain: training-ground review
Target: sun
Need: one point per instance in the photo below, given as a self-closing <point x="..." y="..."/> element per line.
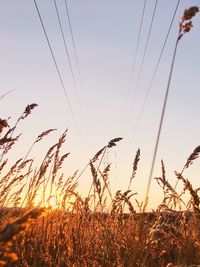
<point x="53" y="202"/>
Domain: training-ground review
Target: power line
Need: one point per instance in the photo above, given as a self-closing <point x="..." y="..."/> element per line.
<point x="5" y="94"/>
<point x="135" y="57"/>
<point x="57" y="69"/>
<point x="67" y="53"/>
<point x="73" y="42"/>
<point x="143" y="59"/>
<point x="155" y="71"/>
<point x="147" y="43"/>
<point x="77" y="61"/>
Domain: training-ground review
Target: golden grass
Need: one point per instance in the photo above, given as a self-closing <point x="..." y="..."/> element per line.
<point x="92" y="230"/>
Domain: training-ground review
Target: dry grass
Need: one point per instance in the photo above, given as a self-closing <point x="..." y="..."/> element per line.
<point x="92" y="230"/>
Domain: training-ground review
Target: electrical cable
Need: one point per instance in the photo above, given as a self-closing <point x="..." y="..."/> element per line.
<point x="134" y="59"/>
<point x="57" y="69"/>
<point x="142" y="62"/>
<point x="74" y="45"/>
<point x="67" y="54"/>
<point x="155" y="71"/>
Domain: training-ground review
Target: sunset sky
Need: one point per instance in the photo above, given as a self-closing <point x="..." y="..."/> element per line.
<point x="108" y="101"/>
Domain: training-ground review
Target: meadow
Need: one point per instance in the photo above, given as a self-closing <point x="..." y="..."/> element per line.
<point x="100" y="229"/>
<point x="44" y="221"/>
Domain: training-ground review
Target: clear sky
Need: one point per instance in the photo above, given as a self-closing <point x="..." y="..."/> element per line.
<point x="105" y="34"/>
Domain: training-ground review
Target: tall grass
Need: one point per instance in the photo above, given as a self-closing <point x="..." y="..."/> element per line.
<point x="99" y="229"/>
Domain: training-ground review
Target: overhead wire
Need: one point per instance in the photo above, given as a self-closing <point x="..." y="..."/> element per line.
<point x="67" y="54"/>
<point x="135" y="57"/>
<point x="146" y="45"/>
<point x="142" y="62"/>
<point x="155" y="71"/>
<point x="58" y="71"/>
<point x="73" y="43"/>
<point x="5" y="94"/>
<point x="77" y="62"/>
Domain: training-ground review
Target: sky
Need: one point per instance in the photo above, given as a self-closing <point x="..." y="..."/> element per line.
<point x="107" y="97"/>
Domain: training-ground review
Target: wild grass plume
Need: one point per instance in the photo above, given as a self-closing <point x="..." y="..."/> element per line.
<point x="45" y="221"/>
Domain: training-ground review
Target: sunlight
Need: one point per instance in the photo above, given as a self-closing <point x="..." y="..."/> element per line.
<point x="53" y="202"/>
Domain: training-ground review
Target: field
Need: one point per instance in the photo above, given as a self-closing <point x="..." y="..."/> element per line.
<point x="66" y="229"/>
<point x="44" y="221"/>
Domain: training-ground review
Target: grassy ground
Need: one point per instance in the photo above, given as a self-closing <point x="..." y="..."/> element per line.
<point x="66" y="229"/>
<point x="92" y="230"/>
